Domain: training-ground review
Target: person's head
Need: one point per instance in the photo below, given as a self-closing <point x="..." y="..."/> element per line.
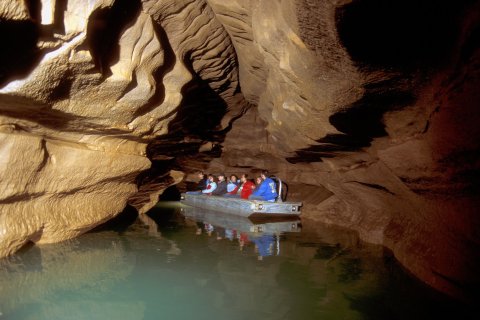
<point x="201" y="175"/>
<point x="258" y="180"/>
<point x="221" y="177"/>
<point x="244" y="178"/>
<point x="264" y="174"/>
<point x="211" y="177"/>
<point x="233" y="178"/>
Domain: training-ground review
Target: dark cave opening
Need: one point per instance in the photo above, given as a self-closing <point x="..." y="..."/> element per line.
<point x="172" y="193"/>
<point x="401" y="35"/>
<point x="19" y="54"/>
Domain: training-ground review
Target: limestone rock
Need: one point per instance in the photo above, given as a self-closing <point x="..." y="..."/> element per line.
<point x="378" y="116"/>
<point x="55" y="190"/>
<point x="14" y="10"/>
<point x="75" y="127"/>
<point x="371" y="120"/>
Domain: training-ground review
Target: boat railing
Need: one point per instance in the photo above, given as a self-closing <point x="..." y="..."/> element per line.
<point x="282" y="189"/>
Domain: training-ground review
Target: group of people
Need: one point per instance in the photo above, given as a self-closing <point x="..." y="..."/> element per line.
<point x="265" y="188"/>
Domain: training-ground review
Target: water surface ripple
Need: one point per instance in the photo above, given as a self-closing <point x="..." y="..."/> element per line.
<point x="210" y="266"/>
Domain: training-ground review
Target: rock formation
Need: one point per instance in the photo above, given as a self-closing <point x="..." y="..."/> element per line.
<point x="82" y="95"/>
<point x="368" y="109"/>
<point x="370" y="118"/>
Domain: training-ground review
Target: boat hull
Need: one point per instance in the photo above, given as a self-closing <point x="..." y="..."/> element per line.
<point x="241" y="207"/>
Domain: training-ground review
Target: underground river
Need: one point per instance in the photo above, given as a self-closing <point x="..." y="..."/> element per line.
<point x="204" y="266"/>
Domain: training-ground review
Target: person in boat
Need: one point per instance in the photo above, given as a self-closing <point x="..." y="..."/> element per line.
<point x="203" y="181"/>
<point x="232" y="186"/>
<point x="211" y="186"/>
<point x="244" y="190"/>
<point x="201" y="185"/>
<point x="267" y="191"/>
<point x="258" y="181"/>
<point x="221" y="186"/>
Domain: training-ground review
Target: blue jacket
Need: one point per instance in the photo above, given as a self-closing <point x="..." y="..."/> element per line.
<point x="267" y="189"/>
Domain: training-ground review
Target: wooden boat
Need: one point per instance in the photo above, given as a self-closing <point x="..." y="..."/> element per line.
<point x="242" y="223"/>
<point x="241" y="207"/>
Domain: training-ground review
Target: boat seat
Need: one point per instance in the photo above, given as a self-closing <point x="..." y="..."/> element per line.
<point x="282" y="189"/>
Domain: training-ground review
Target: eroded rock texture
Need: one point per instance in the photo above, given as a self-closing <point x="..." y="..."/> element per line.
<point x="84" y="89"/>
<point x="367" y="108"/>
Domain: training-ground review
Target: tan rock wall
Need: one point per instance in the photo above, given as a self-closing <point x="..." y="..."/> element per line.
<point x="296" y="88"/>
<point x="66" y="150"/>
<point x="97" y="87"/>
<point x="103" y="82"/>
<point x="52" y="190"/>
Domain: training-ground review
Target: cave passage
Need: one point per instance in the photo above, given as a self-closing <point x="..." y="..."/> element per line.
<point x="368" y="109"/>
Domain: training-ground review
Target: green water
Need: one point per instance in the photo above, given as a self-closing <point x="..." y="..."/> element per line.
<point x="169" y="267"/>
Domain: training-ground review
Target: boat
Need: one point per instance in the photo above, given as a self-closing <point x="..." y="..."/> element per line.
<point x="241" y="207"/>
<point x="252" y="225"/>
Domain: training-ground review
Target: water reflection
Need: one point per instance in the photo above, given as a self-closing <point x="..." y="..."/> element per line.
<point x="38" y="277"/>
<point x="263" y="233"/>
<point x="254" y="224"/>
<point x="204" y="265"/>
<point x="295" y="275"/>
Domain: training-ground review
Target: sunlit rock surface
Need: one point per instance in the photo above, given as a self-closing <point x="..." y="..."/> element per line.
<point x="82" y="94"/>
<point x="368" y="110"/>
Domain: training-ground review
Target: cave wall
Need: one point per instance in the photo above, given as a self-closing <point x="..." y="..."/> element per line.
<point x="84" y="90"/>
<point x="368" y="109"/>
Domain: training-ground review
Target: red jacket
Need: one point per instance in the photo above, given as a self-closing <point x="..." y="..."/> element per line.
<point x="247" y="189"/>
<point x="234" y="191"/>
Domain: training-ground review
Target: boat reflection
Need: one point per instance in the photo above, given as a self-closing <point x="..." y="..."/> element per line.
<point x="263" y="232"/>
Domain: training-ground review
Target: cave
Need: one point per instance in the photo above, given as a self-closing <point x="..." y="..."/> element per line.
<point x="368" y="109"/>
